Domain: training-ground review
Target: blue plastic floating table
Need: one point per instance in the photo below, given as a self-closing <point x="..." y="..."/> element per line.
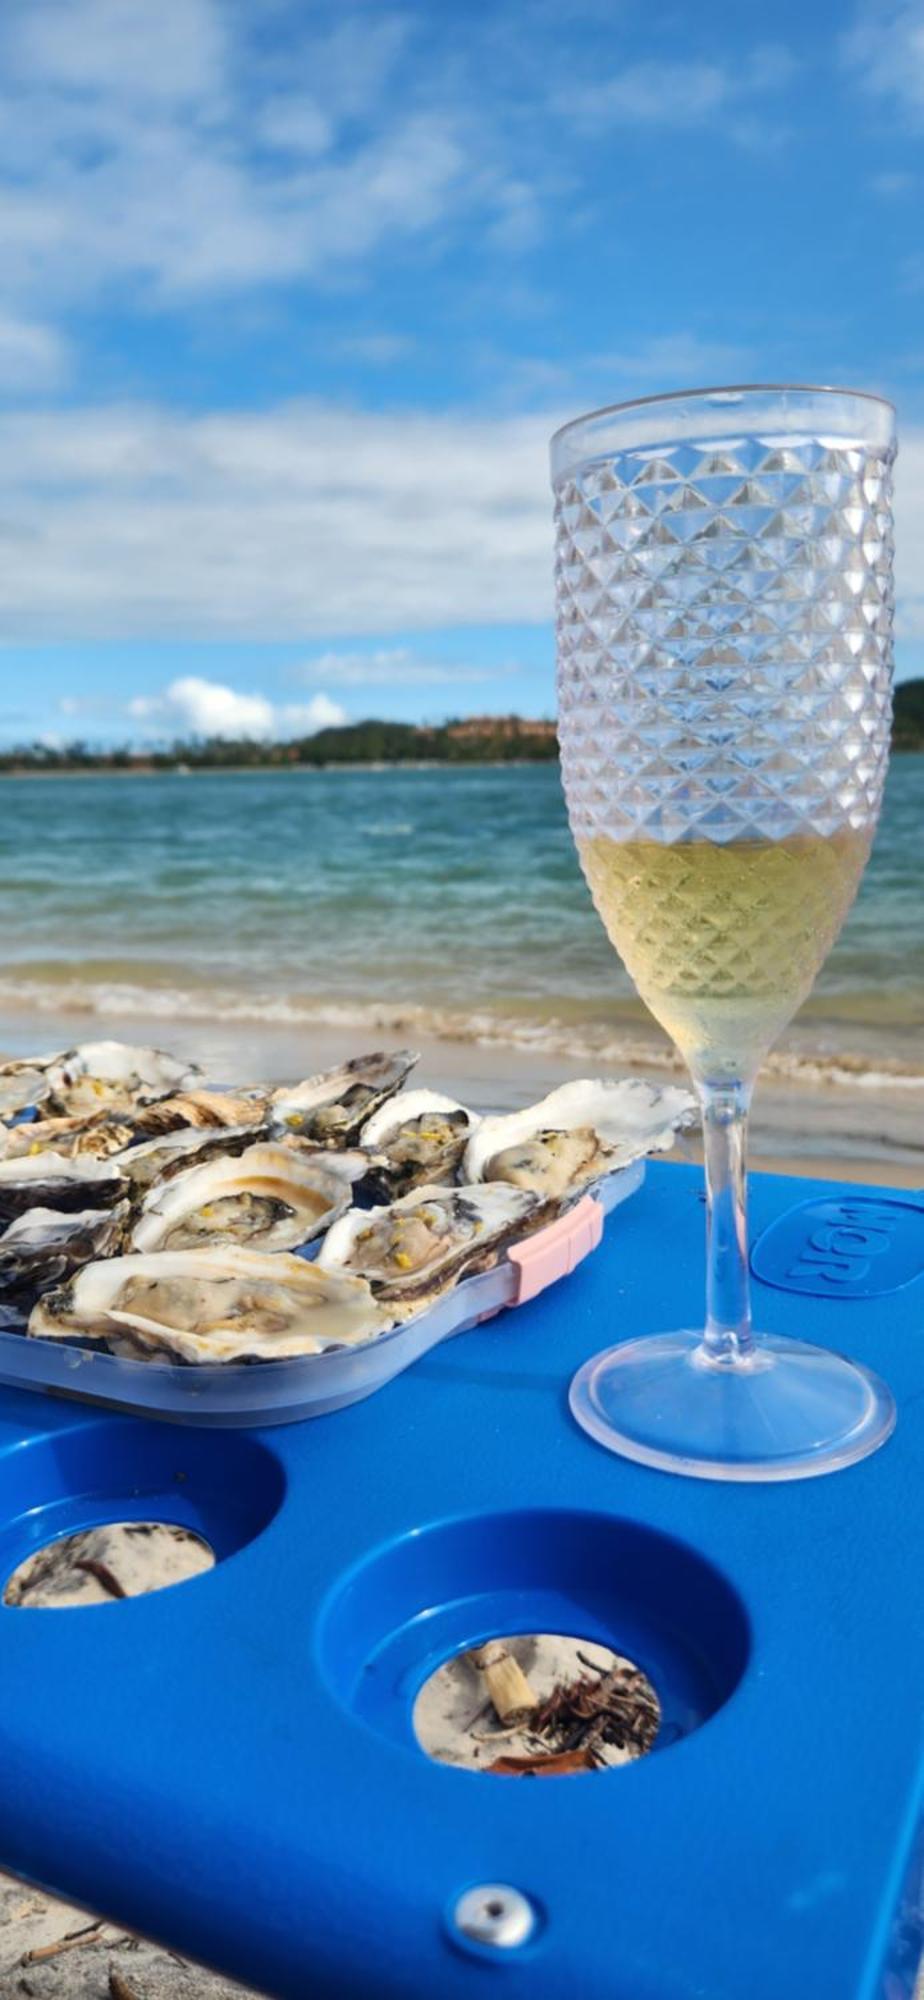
<point x="230" y="1767"/>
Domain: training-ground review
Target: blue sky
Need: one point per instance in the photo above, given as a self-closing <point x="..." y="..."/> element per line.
<point x="293" y="295"/>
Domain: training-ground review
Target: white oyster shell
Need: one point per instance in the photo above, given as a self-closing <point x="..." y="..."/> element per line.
<point x="51" y="1180"/>
<point x="413" y="1249"/>
<point x="331" y="1107"/>
<point x="211" y="1305"/>
<point x="577" y="1134"/>
<point x="113" y="1076"/>
<point x="43" y="1245"/>
<point x="269" y="1197"/>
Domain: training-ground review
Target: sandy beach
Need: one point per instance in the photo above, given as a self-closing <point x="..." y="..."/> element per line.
<point x="851" y="1130"/>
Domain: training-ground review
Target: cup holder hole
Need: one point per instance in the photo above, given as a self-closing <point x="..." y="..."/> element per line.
<point x="538" y="1704"/>
<point x="101" y="1565"/>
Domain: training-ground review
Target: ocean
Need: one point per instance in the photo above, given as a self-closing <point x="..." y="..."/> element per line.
<point x="402" y="902"/>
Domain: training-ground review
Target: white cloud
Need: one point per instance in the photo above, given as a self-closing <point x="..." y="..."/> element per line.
<point x="32" y="356"/>
<point x="299" y="523"/>
<point x="391" y="666"/>
<point x="303" y="718"/>
<point x="176" y="152"/>
<point x="885" y="47"/>
<point x="192" y="706"/>
<point x="892" y="184"/>
<point x="682" y="93"/>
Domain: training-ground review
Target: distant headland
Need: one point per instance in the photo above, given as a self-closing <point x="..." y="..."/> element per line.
<point x="475" y="739"/>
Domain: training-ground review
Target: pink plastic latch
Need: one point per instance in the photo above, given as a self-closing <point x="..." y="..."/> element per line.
<point x="555" y="1251"/>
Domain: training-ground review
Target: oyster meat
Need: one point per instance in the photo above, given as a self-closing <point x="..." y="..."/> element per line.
<point x="417" y="1247"/>
<point x="419" y="1137"/>
<point x="331" y="1108"/>
<point x="50" y="1180"/>
<point x="580" y="1132"/>
<point x="44" y="1245"/>
<point x="96" y="1137"/>
<point x="269" y="1197"/>
<point x="211" y="1305"/>
<point x="112" y="1076"/>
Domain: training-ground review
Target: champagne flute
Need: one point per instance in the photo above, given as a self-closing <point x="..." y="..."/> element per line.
<point x="724" y="591"/>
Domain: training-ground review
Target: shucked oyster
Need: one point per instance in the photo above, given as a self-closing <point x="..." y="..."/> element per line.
<point x="24" y="1083"/>
<point x="49" y="1180"/>
<point x="172" y="1153"/>
<point x="112" y="1076"/>
<point x="331" y="1107"/>
<point x="418" y="1246"/>
<point x="44" y="1245"/>
<point x="419" y="1138"/>
<point x="577" y="1134"/>
<point x="201" y="1108"/>
<point x="95" y="1137"/>
<point x="211" y="1305"/>
<point x="269" y="1197"/>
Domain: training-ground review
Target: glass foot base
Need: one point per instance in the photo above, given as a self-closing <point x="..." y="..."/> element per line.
<point x="788" y="1412"/>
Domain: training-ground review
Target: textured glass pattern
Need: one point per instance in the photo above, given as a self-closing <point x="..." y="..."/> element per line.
<point x="724" y="638"/>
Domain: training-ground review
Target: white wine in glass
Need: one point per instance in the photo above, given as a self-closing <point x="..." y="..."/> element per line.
<point x="724" y="579"/>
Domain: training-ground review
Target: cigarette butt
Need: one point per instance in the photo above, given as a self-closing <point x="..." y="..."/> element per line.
<point x="505" y="1680"/>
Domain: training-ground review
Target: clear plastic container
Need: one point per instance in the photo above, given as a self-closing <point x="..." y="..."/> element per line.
<point x="285" y="1392"/>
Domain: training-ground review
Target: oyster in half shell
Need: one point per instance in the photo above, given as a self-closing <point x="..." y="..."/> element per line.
<point x="24" y="1083"/>
<point x="211" y="1305"/>
<point x="269" y="1197"/>
<point x="97" y="1136"/>
<point x="112" y="1076"/>
<point x="417" y="1247"/>
<point x="330" y="1108"/>
<point x="577" y="1134"/>
<point x="418" y="1138"/>
<point x="50" y="1180"/>
<point x="44" y="1245"/>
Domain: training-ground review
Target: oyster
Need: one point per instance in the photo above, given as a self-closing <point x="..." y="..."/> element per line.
<point x="49" y="1180"/>
<point x="417" y="1247"/>
<point x="172" y="1153"/>
<point x="269" y="1197"/>
<point x="95" y="1137"/>
<point x="331" y="1107"/>
<point x="44" y="1245"/>
<point x="112" y="1076"/>
<point x="211" y="1305"/>
<point x="207" y="1109"/>
<point x="577" y="1134"/>
<point x="420" y="1137"/>
<point x="24" y="1083"/>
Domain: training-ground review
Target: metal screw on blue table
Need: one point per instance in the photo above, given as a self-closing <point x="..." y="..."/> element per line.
<point x="495" y="1914"/>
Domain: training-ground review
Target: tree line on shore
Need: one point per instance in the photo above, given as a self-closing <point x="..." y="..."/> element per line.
<point x="482" y="740"/>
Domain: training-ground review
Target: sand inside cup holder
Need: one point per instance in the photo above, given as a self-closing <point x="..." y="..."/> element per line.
<point x="105" y="1564"/>
<point x="539" y="1704"/>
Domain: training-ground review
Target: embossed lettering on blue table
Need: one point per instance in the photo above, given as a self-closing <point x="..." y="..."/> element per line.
<point x="853" y="1247"/>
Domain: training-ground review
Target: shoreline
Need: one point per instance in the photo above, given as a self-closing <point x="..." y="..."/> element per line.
<point x="832" y="1131"/>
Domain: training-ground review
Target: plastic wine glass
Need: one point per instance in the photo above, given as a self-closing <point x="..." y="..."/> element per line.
<point x="724" y="593"/>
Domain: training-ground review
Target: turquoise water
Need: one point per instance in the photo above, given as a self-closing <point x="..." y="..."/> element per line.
<point x="450" y="897"/>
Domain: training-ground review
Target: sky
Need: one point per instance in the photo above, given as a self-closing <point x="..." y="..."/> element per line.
<point x="293" y="295"/>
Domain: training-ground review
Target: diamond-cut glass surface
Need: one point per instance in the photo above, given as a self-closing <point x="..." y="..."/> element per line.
<point x="724" y="638"/>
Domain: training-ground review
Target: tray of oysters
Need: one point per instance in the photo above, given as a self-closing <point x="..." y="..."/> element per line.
<point x="259" y="1255"/>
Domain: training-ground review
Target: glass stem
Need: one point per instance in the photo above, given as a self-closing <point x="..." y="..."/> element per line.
<point x="725" y="1108"/>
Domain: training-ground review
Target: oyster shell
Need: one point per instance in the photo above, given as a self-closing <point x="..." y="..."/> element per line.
<point x="211" y="1305"/>
<point x="112" y="1076"/>
<point x="95" y="1137"/>
<point x="269" y="1197"/>
<point x="44" y="1245"/>
<point x="24" y="1083"/>
<point x="49" y="1180"/>
<point x="171" y="1153"/>
<point x="330" y="1108"/>
<point x="419" y="1137"/>
<point x="417" y="1247"/>
<point x="577" y="1134"/>
<point x="208" y="1109"/>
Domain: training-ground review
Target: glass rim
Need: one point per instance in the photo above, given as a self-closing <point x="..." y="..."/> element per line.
<point x="719" y="389"/>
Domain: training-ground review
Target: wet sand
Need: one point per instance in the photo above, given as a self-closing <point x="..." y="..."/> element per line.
<point x="838" y="1131"/>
